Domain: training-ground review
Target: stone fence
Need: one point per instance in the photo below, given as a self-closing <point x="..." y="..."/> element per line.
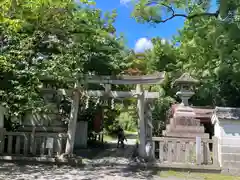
<point x="182" y="152"/>
<point x="31" y="144"/>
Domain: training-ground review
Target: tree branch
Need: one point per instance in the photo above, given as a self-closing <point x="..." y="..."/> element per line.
<point x="213" y="14"/>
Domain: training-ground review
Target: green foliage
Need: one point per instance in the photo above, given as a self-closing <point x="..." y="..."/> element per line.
<point x="110" y="122"/>
<point x="210" y="52"/>
<point x="160" y="113"/>
<point x="52" y="38"/>
<point x="128" y="119"/>
<point x="160" y="11"/>
<point x="208" y="47"/>
<point x="63" y="39"/>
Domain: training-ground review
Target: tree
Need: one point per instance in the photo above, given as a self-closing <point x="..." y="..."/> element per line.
<point x="160" y="11"/>
<point x="57" y="39"/>
<point x="208" y="45"/>
<point x="210" y="52"/>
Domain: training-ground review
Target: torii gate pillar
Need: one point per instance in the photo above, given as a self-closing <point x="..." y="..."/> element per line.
<point x="140" y="108"/>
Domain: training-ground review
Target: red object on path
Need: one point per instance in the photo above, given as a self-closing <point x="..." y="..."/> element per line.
<point x="97" y="123"/>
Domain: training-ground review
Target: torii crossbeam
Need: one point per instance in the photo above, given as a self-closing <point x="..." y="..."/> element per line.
<point x="139" y="93"/>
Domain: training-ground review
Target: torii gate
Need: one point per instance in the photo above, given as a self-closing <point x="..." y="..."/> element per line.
<point x="144" y="112"/>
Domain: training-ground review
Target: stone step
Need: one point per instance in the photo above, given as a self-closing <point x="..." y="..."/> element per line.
<point x="181" y="128"/>
<point x="186" y="135"/>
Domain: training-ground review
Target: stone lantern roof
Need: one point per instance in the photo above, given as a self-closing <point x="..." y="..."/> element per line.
<point x="186" y="79"/>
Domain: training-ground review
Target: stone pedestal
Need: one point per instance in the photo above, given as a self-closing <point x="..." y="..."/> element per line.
<point x="184" y="124"/>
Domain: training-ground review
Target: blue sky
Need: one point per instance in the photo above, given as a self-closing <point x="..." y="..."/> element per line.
<point x="137" y="34"/>
<point x="132" y="30"/>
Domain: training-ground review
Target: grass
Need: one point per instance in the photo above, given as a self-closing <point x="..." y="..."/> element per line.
<point x="197" y="176"/>
<point x="130" y="132"/>
<point x="108" y="138"/>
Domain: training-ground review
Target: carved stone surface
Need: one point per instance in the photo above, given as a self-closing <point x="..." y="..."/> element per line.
<point x="184" y="124"/>
<point x="187" y="121"/>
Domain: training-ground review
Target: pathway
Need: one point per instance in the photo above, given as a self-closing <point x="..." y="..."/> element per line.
<point x="10" y="171"/>
<point x="108" y="164"/>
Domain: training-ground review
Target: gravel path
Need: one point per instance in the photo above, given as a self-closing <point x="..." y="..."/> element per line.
<point x="11" y="171"/>
<point x="109" y="164"/>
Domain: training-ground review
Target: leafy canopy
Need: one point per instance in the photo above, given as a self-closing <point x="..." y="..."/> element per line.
<point x="208" y="45"/>
<point x="61" y="39"/>
<point x="160" y="11"/>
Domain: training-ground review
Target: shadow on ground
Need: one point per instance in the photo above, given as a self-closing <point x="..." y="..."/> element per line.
<point x="105" y="161"/>
<point x="22" y="171"/>
<point x="107" y="149"/>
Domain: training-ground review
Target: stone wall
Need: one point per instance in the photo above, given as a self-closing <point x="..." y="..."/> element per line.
<point x="228" y="133"/>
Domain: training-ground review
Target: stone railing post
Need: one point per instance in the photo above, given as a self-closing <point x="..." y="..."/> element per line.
<point x="215" y="151"/>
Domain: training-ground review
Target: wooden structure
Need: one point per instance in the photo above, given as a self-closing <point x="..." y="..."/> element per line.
<point x="169" y="151"/>
<point x="107" y="81"/>
<point x="35" y="142"/>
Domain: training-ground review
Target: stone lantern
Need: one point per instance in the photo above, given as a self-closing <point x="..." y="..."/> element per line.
<point x="186" y="84"/>
<point x="184" y="123"/>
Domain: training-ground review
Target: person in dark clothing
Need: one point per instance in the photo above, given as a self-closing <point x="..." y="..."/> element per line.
<point x="121" y="137"/>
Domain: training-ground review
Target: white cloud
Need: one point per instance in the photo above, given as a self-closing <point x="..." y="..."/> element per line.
<point x="142" y="45"/>
<point x="166" y="41"/>
<point x="163" y="41"/>
<point x="124" y="2"/>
